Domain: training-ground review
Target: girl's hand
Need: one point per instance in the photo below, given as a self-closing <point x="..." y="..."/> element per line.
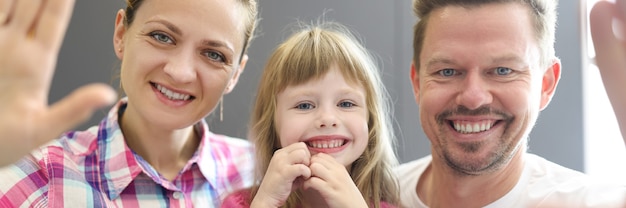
<point x="333" y="182"/>
<point x="287" y="165"/>
<point x="31" y="33"/>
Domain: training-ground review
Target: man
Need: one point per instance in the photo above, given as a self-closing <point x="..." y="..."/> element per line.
<point x="481" y="73"/>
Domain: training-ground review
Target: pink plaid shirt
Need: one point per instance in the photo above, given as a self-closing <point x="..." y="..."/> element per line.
<point x="95" y="168"/>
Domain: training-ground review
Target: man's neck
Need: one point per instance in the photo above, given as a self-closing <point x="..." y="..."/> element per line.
<point x="441" y="186"/>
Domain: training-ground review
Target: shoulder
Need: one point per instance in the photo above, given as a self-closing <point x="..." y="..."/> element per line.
<point x="24" y="183"/>
<point x="59" y="153"/>
<point x="386" y="205"/>
<point x="410" y="168"/>
<point x="227" y="161"/>
<point x="229" y="149"/>
<point x="237" y="199"/>
<point x="540" y="168"/>
<point x="229" y="146"/>
<point x="554" y="183"/>
<point x="79" y="142"/>
<point x="408" y="175"/>
<point x="86" y="142"/>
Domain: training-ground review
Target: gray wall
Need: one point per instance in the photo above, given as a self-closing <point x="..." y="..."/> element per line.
<point x="385" y="28"/>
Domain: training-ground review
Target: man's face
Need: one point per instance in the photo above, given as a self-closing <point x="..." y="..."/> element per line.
<point x="479" y="85"/>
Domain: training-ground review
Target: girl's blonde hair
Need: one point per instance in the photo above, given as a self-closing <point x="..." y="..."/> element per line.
<point x="307" y="55"/>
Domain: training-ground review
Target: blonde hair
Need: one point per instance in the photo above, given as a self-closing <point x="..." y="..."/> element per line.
<point x="543" y="16"/>
<point x="307" y="55"/>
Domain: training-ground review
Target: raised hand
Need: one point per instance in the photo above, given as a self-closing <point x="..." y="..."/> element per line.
<point x="31" y="33"/>
<point x="287" y="165"/>
<point x="333" y="182"/>
<point x="611" y="53"/>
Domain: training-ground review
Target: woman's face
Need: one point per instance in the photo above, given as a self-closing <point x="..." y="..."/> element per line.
<point x="179" y="58"/>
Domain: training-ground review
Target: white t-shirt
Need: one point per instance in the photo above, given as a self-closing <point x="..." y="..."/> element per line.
<point x="542" y="184"/>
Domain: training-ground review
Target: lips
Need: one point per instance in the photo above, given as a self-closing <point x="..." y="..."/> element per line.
<point x="327" y="143"/>
<point x="170" y="94"/>
<point x="469" y="127"/>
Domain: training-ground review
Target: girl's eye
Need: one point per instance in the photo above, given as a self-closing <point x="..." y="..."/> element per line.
<point x="161" y="37"/>
<point x="447" y="72"/>
<point x="305" y="106"/>
<point x="346" y="104"/>
<point x="215" y="56"/>
<point x="503" y="71"/>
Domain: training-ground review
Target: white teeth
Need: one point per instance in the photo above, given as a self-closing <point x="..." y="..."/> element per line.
<point x="325" y="144"/>
<point x="473" y="128"/>
<point x="172" y="95"/>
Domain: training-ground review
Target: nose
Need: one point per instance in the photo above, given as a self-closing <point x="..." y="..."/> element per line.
<point x="474" y="91"/>
<point x="326" y="118"/>
<point x="180" y="67"/>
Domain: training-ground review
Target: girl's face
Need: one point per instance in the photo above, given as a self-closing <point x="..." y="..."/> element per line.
<point x="179" y="58"/>
<point x="327" y="114"/>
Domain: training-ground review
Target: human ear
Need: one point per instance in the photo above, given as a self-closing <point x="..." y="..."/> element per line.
<point x="414" y="74"/>
<point x="118" y="34"/>
<point x="549" y="82"/>
<point x="237" y="73"/>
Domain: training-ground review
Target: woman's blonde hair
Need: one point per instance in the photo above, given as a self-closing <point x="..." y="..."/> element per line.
<point x="307" y="55"/>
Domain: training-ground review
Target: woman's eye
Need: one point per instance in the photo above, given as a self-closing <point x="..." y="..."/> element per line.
<point x="161" y="37"/>
<point x="304" y="106"/>
<point x="215" y="56"/>
<point x="447" y="72"/>
<point x="503" y="71"/>
<point x="346" y="104"/>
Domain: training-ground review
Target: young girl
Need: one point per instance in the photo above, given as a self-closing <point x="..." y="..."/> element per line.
<point x="321" y="127"/>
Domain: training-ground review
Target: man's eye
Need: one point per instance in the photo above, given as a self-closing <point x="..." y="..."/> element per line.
<point x="447" y="72"/>
<point x="503" y="71"/>
<point x="305" y="106"/>
<point x="346" y="104"/>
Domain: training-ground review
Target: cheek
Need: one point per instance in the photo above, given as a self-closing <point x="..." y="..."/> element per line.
<point x="359" y="126"/>
<point x="434" y="99"/>
<point x="288" y="132"/>
<point x="215" y="80"/>
<point x="130" y="73"/>
<point x="517" y="100"/>
<point x="288" y="135"/>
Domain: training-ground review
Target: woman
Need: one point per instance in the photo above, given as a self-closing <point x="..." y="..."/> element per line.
<point x="154" y="148"/>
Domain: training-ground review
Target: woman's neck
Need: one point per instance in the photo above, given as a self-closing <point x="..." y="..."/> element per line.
<point x="167" y="150"/>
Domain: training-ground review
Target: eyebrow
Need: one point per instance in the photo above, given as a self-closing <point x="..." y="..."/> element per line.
<point x="178" y="31"/>
<point x="308" y="92"/>
<point x="167" y="24"/>
<point x="218" y="44"/>
<point x="496" y="60"/>
<point x="508" y="59"/>
<point x="438" y="60"/>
